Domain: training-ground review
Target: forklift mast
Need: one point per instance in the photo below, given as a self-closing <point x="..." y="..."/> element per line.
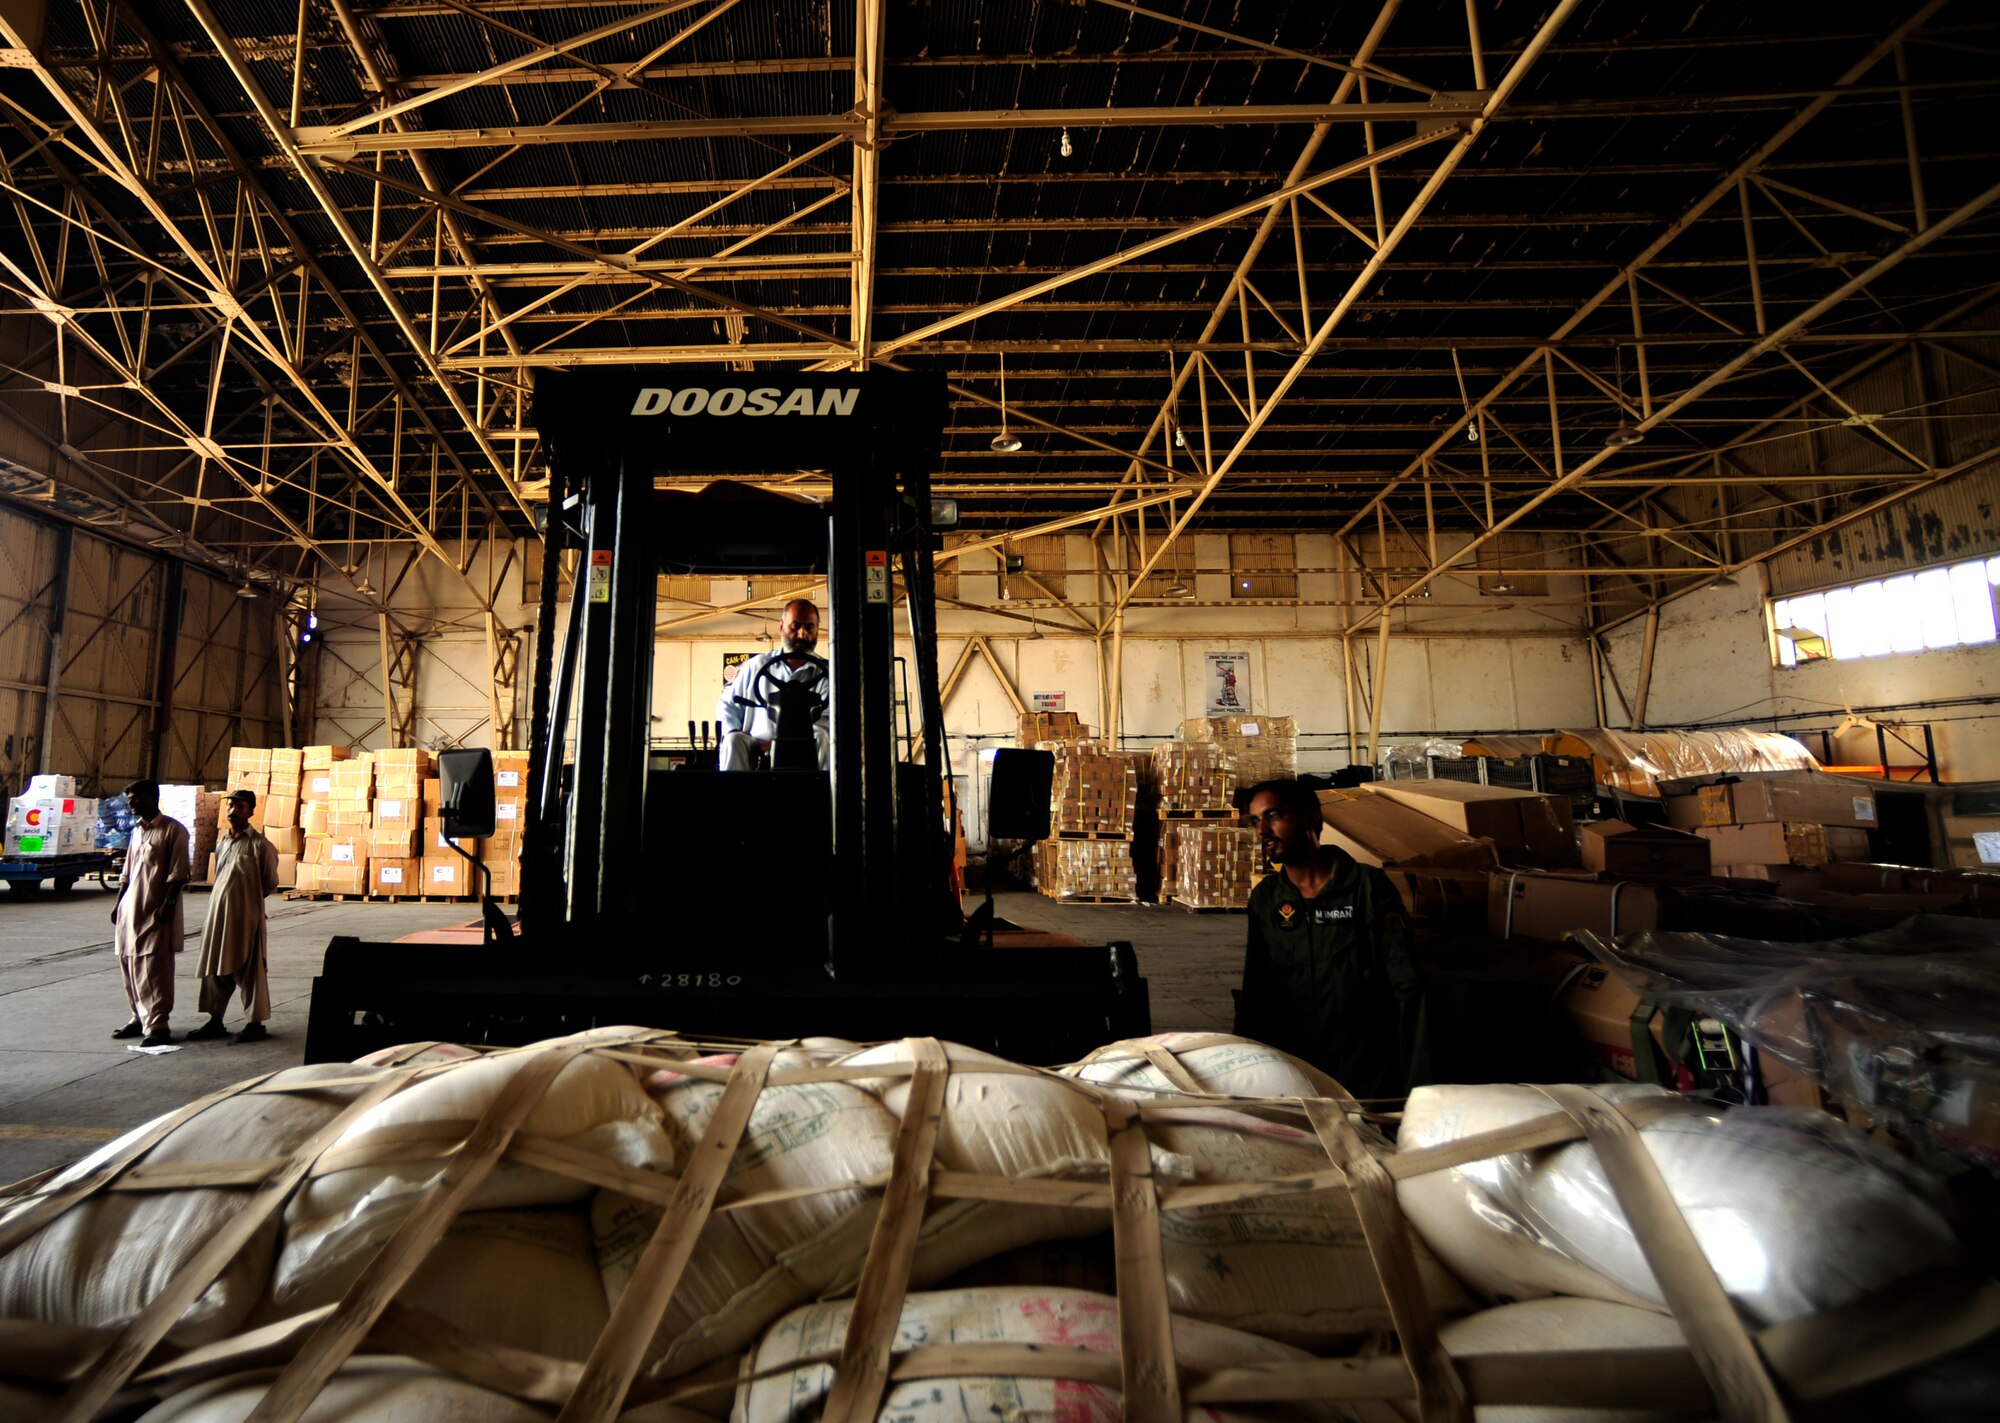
<point x="586" y="863"/>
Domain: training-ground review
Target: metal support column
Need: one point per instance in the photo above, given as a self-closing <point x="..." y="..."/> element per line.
<point x="52" y="674"/>
<point x="166" y="670"/>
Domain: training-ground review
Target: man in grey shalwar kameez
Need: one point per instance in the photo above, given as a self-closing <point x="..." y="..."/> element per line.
<point x="235" y="943"/>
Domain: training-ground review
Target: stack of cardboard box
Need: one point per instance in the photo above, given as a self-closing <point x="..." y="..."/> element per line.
<point x="1261" y="748"/>
<point x="199" y="810"/>
<point x="1037" y="727"/>
<point x="1099" y="870"/>
<point x="49" y="818"/>
<point x="1206" y="865"/>
<point x="396" y="827"/>
<point x="1759" y="825"/>
<point x="1095" y="790"/>
<point x="500" y="852"/>
<point x="1193" y="777"/>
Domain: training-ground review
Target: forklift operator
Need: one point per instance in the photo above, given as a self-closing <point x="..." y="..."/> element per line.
<point x="748" y="729"/>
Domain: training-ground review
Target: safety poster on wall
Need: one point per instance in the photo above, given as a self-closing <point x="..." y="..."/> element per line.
<point x="1228" y="683"/>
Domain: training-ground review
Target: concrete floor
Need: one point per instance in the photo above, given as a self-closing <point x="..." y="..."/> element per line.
<point x="66" y="1085"/>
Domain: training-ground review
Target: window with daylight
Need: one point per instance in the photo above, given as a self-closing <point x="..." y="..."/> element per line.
<point x="1913" y="612"/>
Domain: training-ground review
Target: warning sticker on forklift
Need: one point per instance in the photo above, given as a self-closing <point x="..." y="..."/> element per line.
<point x="600" y="575"/>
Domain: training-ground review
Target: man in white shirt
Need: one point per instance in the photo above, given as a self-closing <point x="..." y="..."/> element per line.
<point x="749" y="729"/>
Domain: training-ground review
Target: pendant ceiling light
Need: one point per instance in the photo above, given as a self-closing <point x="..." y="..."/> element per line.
<point x="1004" y="443"/>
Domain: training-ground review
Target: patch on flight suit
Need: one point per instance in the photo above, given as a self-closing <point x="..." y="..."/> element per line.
<point x="1332" y="913"/>
<point x="1286" y="913"/>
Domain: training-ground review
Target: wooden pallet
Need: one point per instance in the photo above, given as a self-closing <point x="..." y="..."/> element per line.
<point x="1091" y="898"/>
<point x="348" y="897"/>
<point x="1200" y="815"/>
<point x="1125" y="834"/>
<point x="1208" y="908"/>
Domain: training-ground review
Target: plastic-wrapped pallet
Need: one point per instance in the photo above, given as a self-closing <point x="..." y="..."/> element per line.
<point x="1095" y="789"/>
<point x="1193" y="776"/>
<point x="1263" y="748"/>
<point x="1205" y="865"/>
<point x="1086" y="869"/>
<point x="1795" y="1212"/>
<point x="198" y="810"/>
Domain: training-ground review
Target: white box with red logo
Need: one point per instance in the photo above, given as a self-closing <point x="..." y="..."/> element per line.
<point x="43" y="826"/>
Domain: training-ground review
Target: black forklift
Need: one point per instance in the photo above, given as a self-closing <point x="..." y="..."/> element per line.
<point x="771" y="903"/>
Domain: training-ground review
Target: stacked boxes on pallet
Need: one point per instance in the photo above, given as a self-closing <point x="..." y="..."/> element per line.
<point x="1193" y="777"/>
<point x="50" y="819"/>
<point x="1262" y="748"/>
<point x="500" y="852"/>
<point x="1094" y="801"/>
<point x="199" y="810"/>
<point x="1037" y="727"/>
<point x="1095" y="790"/>
<point x="1086" y="869"/>
<point x="1206" y="865"/>
<point x="395" y="837"/>
<point x="1759" y="826"/>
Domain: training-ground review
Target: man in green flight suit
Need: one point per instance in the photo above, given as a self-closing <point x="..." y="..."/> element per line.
<point x="1328" y="974"/>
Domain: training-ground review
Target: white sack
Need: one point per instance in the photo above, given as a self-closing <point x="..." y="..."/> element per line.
<point x="101" y="1261"/>
<point x="1006" y="1123"/>
<point x="1055" y="1319"/>
<point x="1218" y="1062"/>
<point x="1561" y="1325"/>
<point x="379" y="1170"/>
<point x="522" y="1279"/>
<point x="366" y="1390"/>
<point x="1796" y="1212"/>
<point x="1294" y="1267"/>
<point x="751" y="1265"/>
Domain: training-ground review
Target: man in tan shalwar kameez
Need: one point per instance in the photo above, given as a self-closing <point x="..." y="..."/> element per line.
<point x="147" y="917"/>
<point x="235" y="941"/>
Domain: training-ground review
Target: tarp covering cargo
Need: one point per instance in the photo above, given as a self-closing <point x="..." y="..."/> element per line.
<point x="1634" y="762"/>
<point x="1903" y="1023"/>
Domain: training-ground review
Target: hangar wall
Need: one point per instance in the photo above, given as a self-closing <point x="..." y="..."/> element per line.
<point x="117" y="631"/>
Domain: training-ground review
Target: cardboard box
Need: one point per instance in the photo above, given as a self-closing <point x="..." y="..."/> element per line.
<point x="1377" y="830"/>
<point x="50" y="787"/>
<point x="435" y="841"/>
<point x="286" y="840"/>
<point x="41" y="827"/>
<point x="400" y="785"/>
<point x="508" y="816"/>
<point x="506" y="879"/>
<point x="316" y="758"/>
<point x="1615" y="1023"/>
<point x="1549" y="907"/>
<point x="249" y="760"/>
<point x="314" y="817"/>
<point x="1541" y="826"/>
<point x="1450" y="900"/>
<point x="500" y="848"/>
<point x="342" y="877"/>
<point x="287" y="759"/>
<point x="1766" y="843"/>
<point x="1642" y="852"/>
<point x="339" y="850"/>
<point x="344" y="820"/>
<point x="1755" y="797"/>
<point x="510" y="777"/>
<point x="1846" y="843"/>
<point x="448" y="874"/>
<point x="414" y="758"/>
<point x="288" y="871"/>
<point x="433" y="795"/>
<point x="395" y="874"/>
<point x="306" y="877"/>
<point x="316" y="785"/>
<point x="397" y="810"/>
<point x="258" y="785"/>
<point x="275" y="812"/>
<point x="399" y="840"/>
<point x="1972" y="841"/>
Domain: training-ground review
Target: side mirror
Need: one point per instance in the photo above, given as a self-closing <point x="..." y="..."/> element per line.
<point x="466" y="793"/>
<point x="1017" y="802"/>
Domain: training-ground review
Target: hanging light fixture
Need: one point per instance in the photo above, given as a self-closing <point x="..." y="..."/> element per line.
<point x="246" y="591"/>
<point x="1625" y="434"/>
<point x="1034" y="631"/>
<point x="1067" y="147"/>
<point x="1503" y="585"/>
<point x="1004" y="443"/>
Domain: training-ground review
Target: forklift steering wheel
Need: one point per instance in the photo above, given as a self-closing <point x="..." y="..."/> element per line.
<point x="812" y="675"/>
